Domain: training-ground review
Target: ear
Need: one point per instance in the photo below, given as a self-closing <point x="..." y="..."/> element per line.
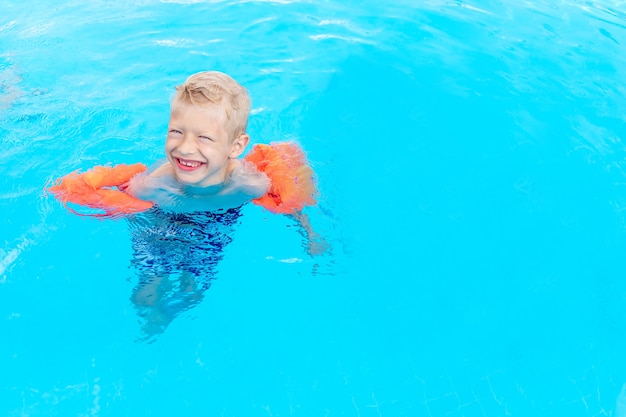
<point x="239" y="145"/>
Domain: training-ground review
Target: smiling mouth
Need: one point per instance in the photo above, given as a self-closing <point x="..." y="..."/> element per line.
<point x="188" y="165"/>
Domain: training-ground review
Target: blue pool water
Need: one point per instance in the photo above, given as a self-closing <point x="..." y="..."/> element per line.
<point x="470" y="157"/>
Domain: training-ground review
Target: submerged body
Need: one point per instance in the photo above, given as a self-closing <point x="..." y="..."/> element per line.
<point x="175" y="258"/>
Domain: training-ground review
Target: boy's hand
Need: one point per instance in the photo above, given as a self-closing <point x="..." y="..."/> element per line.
<point x="123" y="187"/>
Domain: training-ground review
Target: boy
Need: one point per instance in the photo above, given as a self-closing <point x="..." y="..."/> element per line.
<point x="198" y="191"/>
<point x="206" y="134"/>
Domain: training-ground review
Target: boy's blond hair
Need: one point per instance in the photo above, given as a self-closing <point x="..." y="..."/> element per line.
<point x="215" y="87"/>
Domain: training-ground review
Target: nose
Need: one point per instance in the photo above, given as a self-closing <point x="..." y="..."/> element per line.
<point x="187" y="145"/>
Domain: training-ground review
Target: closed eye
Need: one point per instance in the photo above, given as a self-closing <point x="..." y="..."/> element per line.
<point x="175" y="131"/>
<point x="206" y="138"/>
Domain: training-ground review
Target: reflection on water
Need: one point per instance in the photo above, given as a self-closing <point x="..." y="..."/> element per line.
<point x="9" y="90"/>
<point x="620" y="403"/>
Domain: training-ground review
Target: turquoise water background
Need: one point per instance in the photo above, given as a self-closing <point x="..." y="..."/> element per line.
<point x="470" y="157"/>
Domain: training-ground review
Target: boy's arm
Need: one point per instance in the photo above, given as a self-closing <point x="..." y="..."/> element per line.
<point x="255" y="184"/>
<point x="151" y="185"/>
<point x="316" y="245"/>
<point x="140" y="186"/>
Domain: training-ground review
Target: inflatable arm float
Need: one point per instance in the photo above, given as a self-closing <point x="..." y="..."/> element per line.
<point x="292" y="184"/>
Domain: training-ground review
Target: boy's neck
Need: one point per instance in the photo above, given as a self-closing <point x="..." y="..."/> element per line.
<point x="208" y="190"/>
<point x="212" y="189"/>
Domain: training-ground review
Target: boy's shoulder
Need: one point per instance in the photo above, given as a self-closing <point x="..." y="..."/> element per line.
<point x="161" y="168"/>
<point x="246" y="179"/>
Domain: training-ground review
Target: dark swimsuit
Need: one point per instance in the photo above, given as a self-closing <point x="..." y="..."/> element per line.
<point x="166" y="243"/>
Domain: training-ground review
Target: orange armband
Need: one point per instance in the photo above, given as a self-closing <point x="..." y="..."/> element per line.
<point x="292" y="185"/>
<point x="93" y="189"/>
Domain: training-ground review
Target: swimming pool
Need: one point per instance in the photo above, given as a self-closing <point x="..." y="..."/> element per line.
<point x="470" y="157"/>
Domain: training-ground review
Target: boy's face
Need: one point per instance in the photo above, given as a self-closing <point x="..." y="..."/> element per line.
<point x="198" y="146"/>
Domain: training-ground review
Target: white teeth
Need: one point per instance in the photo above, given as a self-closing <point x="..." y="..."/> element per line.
<point x="190" y="164"/>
